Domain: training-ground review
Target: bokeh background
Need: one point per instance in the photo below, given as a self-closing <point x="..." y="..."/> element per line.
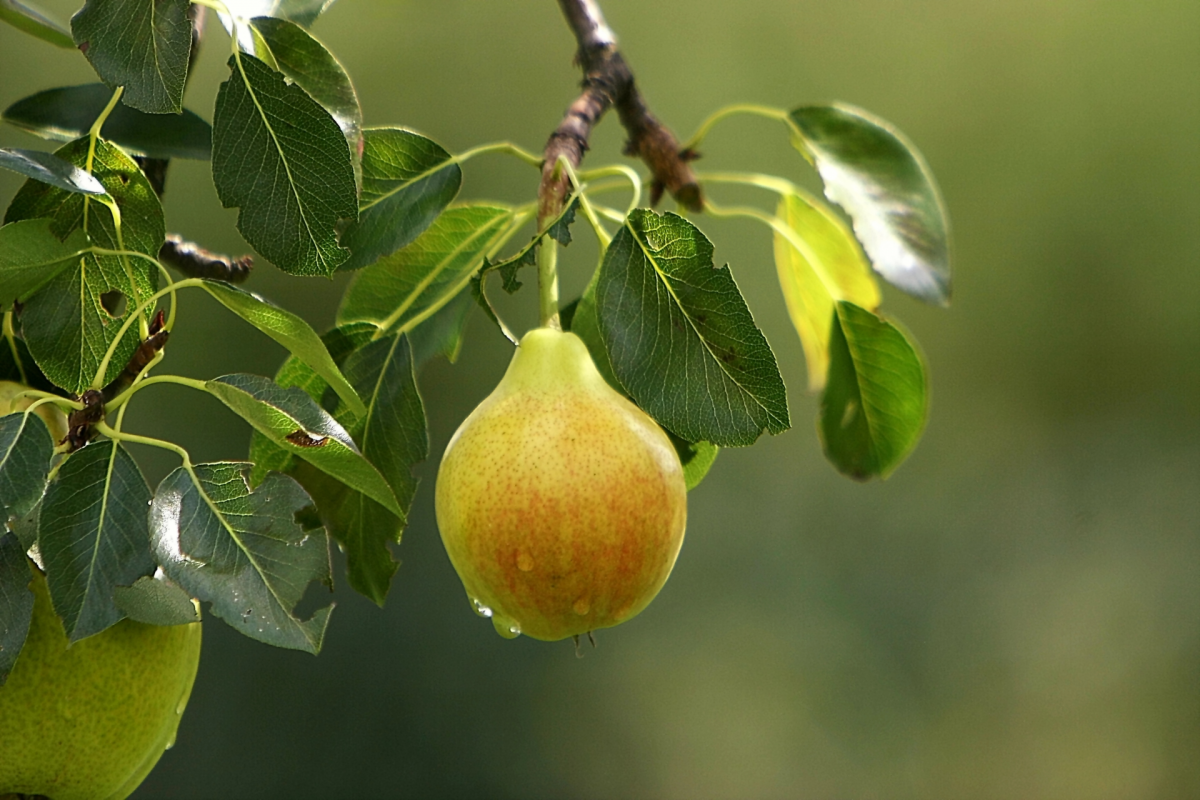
<point x="1015" y="613"/>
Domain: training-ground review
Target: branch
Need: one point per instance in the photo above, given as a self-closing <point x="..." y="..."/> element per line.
<point x="608" y="82"/>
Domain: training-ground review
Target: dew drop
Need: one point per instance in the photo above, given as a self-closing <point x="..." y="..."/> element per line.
<point x="582" y="606"/>
<point x="524" y="562"/>
<point x="170" y="742"/>
<point x="506" y="627"/>
<point x="480" y="608"/>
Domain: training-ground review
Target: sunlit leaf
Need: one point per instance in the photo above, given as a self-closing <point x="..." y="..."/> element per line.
<point x="876" y="400"/>
<point x="242" y="550"/>
<point x="26" y="448"/>
<point x="65" y="323"/>
<point x="697" y="459"/>
<point x="680" y="337"/>
<point x="407" y="180"/>
<point x="402" y="290"/>
<point x="93" y="536"/>
<point x="882" y="182"/>
<point x="156" y="602"/>
<point x="67" y="113"/>
<point x="302" y="12"/>
<point x="818" y="264"/>
<point x="282" y="159"/>
<point x="31" y="255"/>
<point x="49" y="168"/>
<point x="16" y="601"/>
<point x="36" y="22"/>
<point x="143" y="46"/>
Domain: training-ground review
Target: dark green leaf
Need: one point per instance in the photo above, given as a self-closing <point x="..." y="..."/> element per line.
<point x="31" y="255"/>
<point x="49" y="168"/>
<point x="282" y="159"/>
<point x="26" y="449"/>
<point x="242" y="550"/>
<point x="35" y="22"/>
<point x="407" y="180"/>
<point x="93" y="536"/>
<point x="409" y="286"/>
<point x="560" y="229"/>
<point x="65" y="324"/>
<point x="696" y="457"/>
<point x="143" y="46"/>
<point x="680" y="338"/>
<point x="156" y="602"/>
<point x="16" y="602"/>
<point x="883" y="183"/>
<point x="17" y="365"/>
<point x="876" y="400"/>
<point x="442" y="333"/>
<point x="292" y="420"/>
<point x="290" y="331"/>
<point x="68" y="113"/>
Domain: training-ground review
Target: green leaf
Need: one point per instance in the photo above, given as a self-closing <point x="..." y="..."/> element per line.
<point x="93" y="536"/>
<point x="49" y="168"/>
<point x="17" y="365"/>
<point x="290" y="331"/>
<point x="680" y="337"/>
<point x="883" y="183"/>
<point x="404" y="289"/>
<point x="442" y="333"/>
<point x="559" y="229"/>
<point x="407" y="180"/>
<point x="292" y="420"/>
<point x="65" y="323"/>
<point x="479" y="292"/>
<point x="36" y="22"/>
<point x="16" y="602"/>
<point x="67" y="113"/>
<point x="143" y="46"/>
<point x="31" y="255"/>
<point x="282" y="159"/>
<point x="818" y="264"/>
<point x="586" y="325"/>
<point x="26" y="449"/>
<point x="696" y="457"/>
<point x="876" y="402"/>
<point x="242" y="550"/>
<point x="156" y="602"/>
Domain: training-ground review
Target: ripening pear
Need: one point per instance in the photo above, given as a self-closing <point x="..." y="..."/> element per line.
<point x="562" y="505"/>
<point x="10" y="403"/>
<point x="89" y="721"/>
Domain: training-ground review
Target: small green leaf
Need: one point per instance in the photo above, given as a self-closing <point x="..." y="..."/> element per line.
<point x="407" y="180"/>
<point x="876" y="401"/>
<point x="143" y="46"/>
<point x="67" y="113"/>
<point x="31" y="255"/>
<point x="292" y="420"/>
<point x="49" y="168"/>
<point x="697" y="459"/>
<point x="290" y="331"/>
<point x="156" y="602"/>
<point x="282" y="159"/>
<point x="883" y="183"/>
<point x="479" y="292"/>
<point x="558" y="229"/>
<point x="93" y="536"/>
<point x="680" y="337"/>
<point x="16" y="602"/>
<point x="65" y="323"/>
<point x="36" y="22"/>
<point x="406" y="288"/>
<point x="819" y="263"/>
<point x="242" y="550"/>
<point x="26" y="449"/>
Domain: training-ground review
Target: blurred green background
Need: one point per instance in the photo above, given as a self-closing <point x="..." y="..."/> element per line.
<point x="1016" y="613"/>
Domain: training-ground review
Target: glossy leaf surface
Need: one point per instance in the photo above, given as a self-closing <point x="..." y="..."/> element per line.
<point x="31" y="256"/>
<point x="49" y="168"/>
<point x="16" y="602"/>
<point x="36" y="22"/>
<point x="93" y="536"/>
<point x="680" y="337"/>
<point x="143" y="46"/>
<point x="282" y="160"/>
<point x="883" y="183"/>
<point x="67" y="113"/>
<point x="876" y="401"/>
<point x="26" y="448"/>
<point x="242" y="550"/>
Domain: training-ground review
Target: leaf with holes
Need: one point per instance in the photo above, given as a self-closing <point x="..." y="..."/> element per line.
<point x="36" y="22"/>
<point x="139" y="45"/>
<point x="31" y="255"/>
<point x="16" y="601"/>
<point x="26" y="449"/>
<point x="66" y="324"/>
<point x="242" y="550"/>
<point x="407" y="181"/>
<point x="883" y="183"/>
<point x="406" y="288"/>
<point x="680" y="338"/>
<point x="282" y="159"/>
<point x="93" y="536"/>
<point x="877" y="398"/>
<point x="818" y="262"/>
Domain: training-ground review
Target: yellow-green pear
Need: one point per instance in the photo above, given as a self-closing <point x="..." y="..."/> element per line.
<point x="89" y="721"/>
<point x="10" y="403"/>
<point x="562" y="505"/>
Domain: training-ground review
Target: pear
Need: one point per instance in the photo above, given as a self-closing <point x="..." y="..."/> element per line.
<point x="55" y="420"/>
<point x="89" y="721"/>
<point x="561" y="504"/>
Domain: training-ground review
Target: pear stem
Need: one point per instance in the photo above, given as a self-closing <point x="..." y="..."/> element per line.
<point x="547" y="262"/>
